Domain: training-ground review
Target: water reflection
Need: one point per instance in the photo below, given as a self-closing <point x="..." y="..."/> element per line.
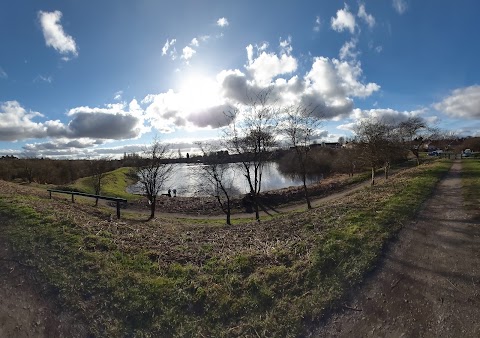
<point x="186" y="180"/>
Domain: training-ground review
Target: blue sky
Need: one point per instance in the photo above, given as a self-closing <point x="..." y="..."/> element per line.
<point x="96" y="78"/>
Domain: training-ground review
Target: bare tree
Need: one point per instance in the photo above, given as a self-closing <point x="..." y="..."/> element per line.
<point x="98" y="174"/>
<point x="300" y="128"/>
<point x="252" y="135"/>
<point x="393" y="148"/>
<point x="154" y="172"/>
<point x="348" y="159"/>
<point x="415" y="133"/>
<point x="372" y="141"/>
<point x="28" y="170"/>
<point x="216" y="179"/>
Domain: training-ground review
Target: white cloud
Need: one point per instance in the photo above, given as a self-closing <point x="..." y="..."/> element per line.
<point x="268" y="65"/>
<point x="222" y="22"/>
<point x="350" y="73"/>
<point x="462" y="103"/>
<point x="317" y="25"/>
<point x="344" y="20"/>
<point x="167" y="46"/>
<point x="348" y="50"/>
<point x="188" y="53"/>
<point x="42" y="78"/>
<point x="387" y="115"/>
<point x="368" y="18"/>
<point x="17" y="124"/>
<point x="54" y="35"/>
<point x="3" y="75"/>
<point x="198" y="104"/>
<point x="111" y="122"/>
<point x="378" y="49"/>
<point x="194" y="42"/>
<point x="330" y="85"/>
<point x="285" y="45"/>
<point x="400" y="6"/>
<point x="118" y="95"/>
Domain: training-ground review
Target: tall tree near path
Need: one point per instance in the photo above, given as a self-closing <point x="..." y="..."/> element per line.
<point x="252" y="135"/>
<point x="216" y="178"/>
<point x="98" y="172"/>
<point x="154" y="172"/>
<point x="415" y="133"/>
<point x="372" y="141"/>
<point x="300" y="128"/>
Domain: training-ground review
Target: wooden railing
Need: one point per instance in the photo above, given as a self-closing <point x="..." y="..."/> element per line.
<point x="76" y="193"/>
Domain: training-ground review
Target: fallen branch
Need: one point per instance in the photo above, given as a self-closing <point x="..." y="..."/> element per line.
<point x="455" y="286"/>
<point x="396" y="283"/>
<point x="351" y="308"/>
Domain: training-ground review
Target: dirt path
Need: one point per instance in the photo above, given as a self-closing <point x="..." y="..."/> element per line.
<point x="268" y="211"/>
<point x="429" y="282"/>
<point x="25" y="309"/>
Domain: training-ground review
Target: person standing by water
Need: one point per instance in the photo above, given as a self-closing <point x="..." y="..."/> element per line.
<point x="174" y="192"/>
<point x="169" y="193"/>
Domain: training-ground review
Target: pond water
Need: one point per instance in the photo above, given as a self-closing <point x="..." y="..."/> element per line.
<point x="187" y="181"/>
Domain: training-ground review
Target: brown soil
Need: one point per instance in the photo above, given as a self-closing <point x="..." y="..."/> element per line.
<point x="429" y="281"/>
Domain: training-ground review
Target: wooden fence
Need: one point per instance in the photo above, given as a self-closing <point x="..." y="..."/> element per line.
<point x="75" y="193"/>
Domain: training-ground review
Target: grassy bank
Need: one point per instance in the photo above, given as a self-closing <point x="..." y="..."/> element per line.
<point x="471" y="183"/>
<point x="174" y="278"/>
<point x="114" y="184"/>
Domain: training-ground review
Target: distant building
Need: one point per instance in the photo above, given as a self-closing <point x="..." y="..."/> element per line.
<point x="333" y="145"/>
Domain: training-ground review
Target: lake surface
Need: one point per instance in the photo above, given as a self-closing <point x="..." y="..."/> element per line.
<point x="187" y="181"/>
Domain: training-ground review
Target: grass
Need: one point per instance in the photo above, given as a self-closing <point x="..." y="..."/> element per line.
<point x="115" y="184"/>
<point x="176" y="278"/>
<point x="471" y="183"/>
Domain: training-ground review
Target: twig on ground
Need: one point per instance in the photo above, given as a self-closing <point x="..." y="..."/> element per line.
<point x="351" y="308"/>
<point x="455" y="286"/>
<point x="396" y="283"/>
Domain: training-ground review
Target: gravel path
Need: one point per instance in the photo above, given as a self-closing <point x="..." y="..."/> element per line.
<point x="429" y="282"/>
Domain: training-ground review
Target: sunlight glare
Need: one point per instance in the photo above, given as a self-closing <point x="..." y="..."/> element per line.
<point x="199" y="92"/>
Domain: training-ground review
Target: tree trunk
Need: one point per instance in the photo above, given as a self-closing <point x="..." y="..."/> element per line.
<point x="309" y="206"/>
<point x="373" y="176"/>
<point x="228" y="211"/>
<point x="152" y="208"/>
<point x="96" y="202"/>
<point x="255" y="202"/>
<point x="417" y="156"/>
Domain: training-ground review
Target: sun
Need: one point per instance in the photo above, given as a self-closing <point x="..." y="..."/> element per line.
<point x="199" y="92"/>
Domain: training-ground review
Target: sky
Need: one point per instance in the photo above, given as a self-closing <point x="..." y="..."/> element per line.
<point x="89" y="79"/>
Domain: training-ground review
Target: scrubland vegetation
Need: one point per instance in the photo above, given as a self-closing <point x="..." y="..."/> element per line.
<point x="179" y="277"/>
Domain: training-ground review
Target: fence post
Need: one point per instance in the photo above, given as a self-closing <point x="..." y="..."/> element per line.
<point x="118" y="209"/>
<point x="50" y="194"/>
<point x="73" y="200"/>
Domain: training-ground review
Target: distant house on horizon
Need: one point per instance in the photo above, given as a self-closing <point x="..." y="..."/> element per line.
<point x="333" y="145"/>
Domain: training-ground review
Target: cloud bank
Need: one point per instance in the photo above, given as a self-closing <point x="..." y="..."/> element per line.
<point x="462" y="103"/>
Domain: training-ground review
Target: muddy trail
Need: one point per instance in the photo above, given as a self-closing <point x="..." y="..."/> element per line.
<point x="428" y="284"/>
